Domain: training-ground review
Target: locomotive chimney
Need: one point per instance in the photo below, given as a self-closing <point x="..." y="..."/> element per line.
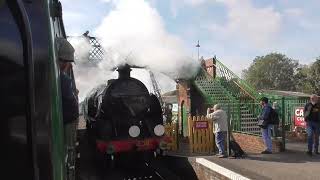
<point x="124" y="72"/>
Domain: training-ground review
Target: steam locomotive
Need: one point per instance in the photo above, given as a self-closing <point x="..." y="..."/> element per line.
<point x="122" y="117"/>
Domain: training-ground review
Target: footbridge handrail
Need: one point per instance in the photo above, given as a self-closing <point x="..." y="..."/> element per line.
<point x="226" y="74"/>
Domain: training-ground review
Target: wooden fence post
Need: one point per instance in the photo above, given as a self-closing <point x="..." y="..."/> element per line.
<point x="191" y="140"/>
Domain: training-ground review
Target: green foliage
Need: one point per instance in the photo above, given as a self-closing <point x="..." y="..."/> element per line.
<point x="276" y="71"/>
<point x="308" y="78"/>
<point x="313" y="77"/>
<point x="273" y="71"/>
<point x="301" y="77"/>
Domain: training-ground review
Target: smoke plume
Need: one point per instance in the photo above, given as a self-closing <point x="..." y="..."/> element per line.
<point x="134" y="33"/>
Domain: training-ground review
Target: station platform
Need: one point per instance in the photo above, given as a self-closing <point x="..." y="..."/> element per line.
<point x="292" y="164"/>
<point x="289" y="165"/>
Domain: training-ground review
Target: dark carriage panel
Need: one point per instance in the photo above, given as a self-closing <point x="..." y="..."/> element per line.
<point x="15" y="156"/>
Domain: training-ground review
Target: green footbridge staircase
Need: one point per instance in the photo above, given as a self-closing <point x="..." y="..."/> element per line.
<point x="235" y="96"/>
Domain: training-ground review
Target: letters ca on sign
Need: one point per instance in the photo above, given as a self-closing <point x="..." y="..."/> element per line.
<point x="299" y="112"/>
<point x="299" y="117"/>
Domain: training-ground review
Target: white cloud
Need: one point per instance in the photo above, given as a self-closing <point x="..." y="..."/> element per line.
<point x="194" y="2"/>
<point x="176" y="5"/>
<point x="72" y="15"/>
<point x="242" y="62"/>
<point x="308" y="24"/>
<point x="302" y="18"/>
<point x="106" y="1"/>
<point x="293" y="12"/>
<point x="257" y="26"/>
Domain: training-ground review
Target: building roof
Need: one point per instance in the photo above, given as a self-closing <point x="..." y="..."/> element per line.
<point x="171" y="93"/>
<point x="170" y="97"/>
<point x="286" y="93"/>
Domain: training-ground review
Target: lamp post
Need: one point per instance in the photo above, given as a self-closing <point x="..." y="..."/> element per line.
<point x="198" y="46"/>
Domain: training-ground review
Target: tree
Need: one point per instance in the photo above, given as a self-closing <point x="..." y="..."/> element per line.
<point x="308" y="78"/>
<point x="272" y="71"/>
<point x="302" y="79"/>
<point x="313" y="77"/>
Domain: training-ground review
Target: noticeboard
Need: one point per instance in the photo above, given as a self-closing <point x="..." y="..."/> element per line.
<point x="299" y="117"/>
<point x="201" y="124"/>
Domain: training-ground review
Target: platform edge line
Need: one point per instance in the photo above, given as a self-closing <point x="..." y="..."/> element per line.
<point x="221" y="170"/>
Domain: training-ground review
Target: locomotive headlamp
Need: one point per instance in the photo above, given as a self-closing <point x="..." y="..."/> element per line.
<point x="134" y="131"/>
<point x="159" y="130"/>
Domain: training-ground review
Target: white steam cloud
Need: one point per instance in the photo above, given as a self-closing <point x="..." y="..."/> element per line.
<point x="88" y="74"/>
<point x="134" y="33"/>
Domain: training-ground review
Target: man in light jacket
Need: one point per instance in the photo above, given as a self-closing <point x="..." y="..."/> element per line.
<point x="220" y="120"/>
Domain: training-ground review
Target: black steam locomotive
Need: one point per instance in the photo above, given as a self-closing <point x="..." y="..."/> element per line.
<point x="122" y="117"/>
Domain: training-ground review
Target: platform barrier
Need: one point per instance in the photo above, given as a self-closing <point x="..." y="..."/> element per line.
<point x="201" y="138"/>
<point x="171" y="133"/>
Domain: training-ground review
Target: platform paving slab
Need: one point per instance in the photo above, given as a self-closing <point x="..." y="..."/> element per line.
<point x="289" y="165"/>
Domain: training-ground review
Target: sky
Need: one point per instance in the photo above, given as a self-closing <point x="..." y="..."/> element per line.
<point x="235" y="31"/>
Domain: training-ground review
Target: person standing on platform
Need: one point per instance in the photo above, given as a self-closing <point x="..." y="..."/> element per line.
<point x="220" y="120"/>
<point x="266" y="130"/>
<point x="312" y="118"/>
<point x="275" y="128"/>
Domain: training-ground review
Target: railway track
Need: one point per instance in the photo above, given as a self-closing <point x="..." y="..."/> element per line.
<point x="163" y="168"/>
<point x="131" y="169"/>
<point x="142" y="172"/>
<point x="134" y="170"/>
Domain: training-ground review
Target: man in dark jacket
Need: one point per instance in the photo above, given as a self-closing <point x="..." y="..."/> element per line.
<point x="266" y="132"/>
<point x="69" y="92"/>
<point x="312" y="117"/>
<point x="70" y="106"/>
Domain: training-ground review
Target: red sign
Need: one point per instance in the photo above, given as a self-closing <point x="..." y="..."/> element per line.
<point x="299" y="117"/>
<point x="201" y="124"/>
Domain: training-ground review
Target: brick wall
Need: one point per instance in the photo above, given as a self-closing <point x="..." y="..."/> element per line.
<point x="254" y="144"/>
<point x="183" y="94"/>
